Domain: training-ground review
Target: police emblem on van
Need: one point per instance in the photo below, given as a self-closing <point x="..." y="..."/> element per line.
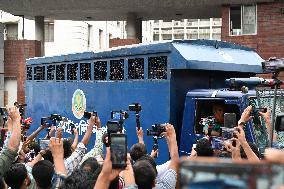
<point x="78" y="103"/>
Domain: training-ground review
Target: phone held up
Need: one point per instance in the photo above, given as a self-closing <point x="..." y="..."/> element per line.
<point x="118" y="148"/>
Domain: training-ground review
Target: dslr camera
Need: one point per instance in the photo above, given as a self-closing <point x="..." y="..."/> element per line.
<point x="135" y="107"/>
<point x="49" y="121"/>
<point x="157" y="130"/>
<point x="21" y="108"/>
<point x="4" y="113"/>
<point x="88" y="115"/>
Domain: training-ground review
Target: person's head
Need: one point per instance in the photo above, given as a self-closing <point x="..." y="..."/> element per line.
<point x="43" y="172"/>
<point x="79" y="179"/>
<point x="91" y="164"/>
<point x="204" y="148"/>
<point x="67" y="147"/>
<point x="144" y="174"/>
<point x="48" y="156"/>
<point x="218" y="112"/>
<point x="137" y="151"/>
<point x="17" y="176"/>
<point x="151" y="160"/>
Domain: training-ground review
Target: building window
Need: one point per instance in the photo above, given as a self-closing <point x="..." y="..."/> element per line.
<point x="49" y="31"/>
<point x="243" y="20"/>
<point x="11" y="31"/>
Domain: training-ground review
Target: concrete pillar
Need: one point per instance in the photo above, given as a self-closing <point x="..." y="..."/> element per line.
<point x="134" y="27"/>
<point x="39" y="32"/>
<point x="1" y="65"/>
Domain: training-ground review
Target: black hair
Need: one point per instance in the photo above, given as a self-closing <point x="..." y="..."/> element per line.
<point x="16" y="175"/>
<point x="91" y="164"/>
<point x="67" y="148"/>
<point x="137" y="151"/>
<point x="48" y="156"/>
<point x="151" y="160"/>
<point x="144" y="173"/>
<point x="43" y="172"/>
<point x="79" y="179"/>
<point x="204" y="148"/>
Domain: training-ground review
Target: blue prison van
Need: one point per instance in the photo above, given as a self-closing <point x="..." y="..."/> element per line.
<point x="157" y="75"/>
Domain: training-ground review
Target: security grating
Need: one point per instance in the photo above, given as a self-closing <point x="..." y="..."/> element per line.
<point x="29" y="73"/>
<point x="157" y="67"/>
<point x="50" y="72"/>
<point x="264" y="99"/>
<point x="100" y="70"/>
<point x="72" y="70"/>
<point x="60" y="72"/>
<point x="39" y="73"/>
<point x="116" y="69"/>
<point x="85" y="71"/>
<point x="136" y="68"/>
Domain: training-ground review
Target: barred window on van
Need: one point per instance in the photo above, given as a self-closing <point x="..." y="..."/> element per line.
<point x="116" y="69"/>
<point x="60" y="72"/>
<point x="72" y="70"/>
<point x="50" y="72"/>
<point x="85" y="71"/>
<point x="157" y="67"/>
<point x="100" y="70"/>
<point x="136" y="68"/>
<point x="39" y="73"/>
<point x="29" y="73"/>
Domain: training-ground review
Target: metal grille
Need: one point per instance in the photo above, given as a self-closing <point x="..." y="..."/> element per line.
<point x="136" y="68"/>
<point x="265" y="99"/>
<point x="100" y="70"/>
<point x="116" y="69"/>
<point x="72" y="70"/>
<point x="50" y="72"/>
<point x="39" y="73"/>
<point x="60" y="72"/>
<point x="157" y="67"/>
<point x="85" y="71"/>
<point x="29" y="73"/>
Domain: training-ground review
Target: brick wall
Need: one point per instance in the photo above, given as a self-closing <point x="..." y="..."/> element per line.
<point x="15" y="54"/>
<point x="269" y="41"/>
<point x="122" y="42"/>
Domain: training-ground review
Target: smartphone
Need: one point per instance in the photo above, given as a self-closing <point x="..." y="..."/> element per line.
<point x="43" y="143"/>
<point x="118" y="148"/>
<point x="230" y="120"/>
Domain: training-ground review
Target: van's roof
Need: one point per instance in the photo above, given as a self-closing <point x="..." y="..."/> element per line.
<point x="182" y="54"/>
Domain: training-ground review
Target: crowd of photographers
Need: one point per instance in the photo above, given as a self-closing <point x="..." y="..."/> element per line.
<point x="66" y="162"/>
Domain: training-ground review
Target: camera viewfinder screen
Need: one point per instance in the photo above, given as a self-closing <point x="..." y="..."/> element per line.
<point x="118" y="150"/>
<point x="116" y="115"/>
